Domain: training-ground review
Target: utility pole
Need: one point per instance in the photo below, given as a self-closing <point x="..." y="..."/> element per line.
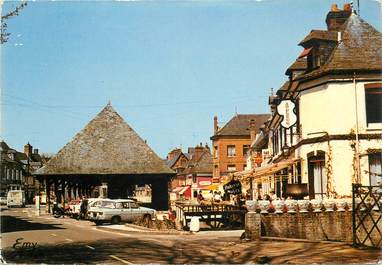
<point x="358" y="177"/>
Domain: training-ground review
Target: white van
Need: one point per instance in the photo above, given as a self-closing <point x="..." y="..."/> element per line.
<point x="16" y="198"/>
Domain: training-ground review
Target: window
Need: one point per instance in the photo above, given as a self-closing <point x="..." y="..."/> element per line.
<point x="216" y="154"/>
<point x="245" y="149"/>
<point x="133" y="205"/>
<point x="316" y="175"/>
<point x="375" y="169"/>
<point x="231" y="150"/>
<point x="231" y="168"/>
<point x="373" y="98"/>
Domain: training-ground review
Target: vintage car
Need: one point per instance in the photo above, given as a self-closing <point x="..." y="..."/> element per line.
<point x="116" y="211"/>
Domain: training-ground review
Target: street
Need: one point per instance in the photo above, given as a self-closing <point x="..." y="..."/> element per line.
<point x="27" y="238"/>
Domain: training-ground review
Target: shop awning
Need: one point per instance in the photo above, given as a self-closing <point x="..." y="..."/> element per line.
<point x="212" y="187"/>
<point x="273" y="168"/>
<point x="244" y="173"/>
<point x="180" y="190"/>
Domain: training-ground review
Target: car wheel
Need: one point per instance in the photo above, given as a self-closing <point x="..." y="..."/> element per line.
<point x="98" y="222"/>
<point x="115" y="220"/>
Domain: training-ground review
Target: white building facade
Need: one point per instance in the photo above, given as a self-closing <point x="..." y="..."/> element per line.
<point x="336" y="84"/>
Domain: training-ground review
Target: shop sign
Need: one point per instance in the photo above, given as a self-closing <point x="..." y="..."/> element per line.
<point x="233" y="187"/>
<point x="204" y="182"/>
<point x="286" y="109"/>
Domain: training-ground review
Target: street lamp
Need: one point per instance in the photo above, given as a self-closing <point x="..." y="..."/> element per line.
<point x="286" y="150"/>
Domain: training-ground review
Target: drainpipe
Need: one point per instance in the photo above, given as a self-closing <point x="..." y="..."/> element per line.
<point x="358" y="166"/>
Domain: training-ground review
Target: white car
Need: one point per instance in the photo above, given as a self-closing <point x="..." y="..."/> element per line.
<point x="116" y="211"/>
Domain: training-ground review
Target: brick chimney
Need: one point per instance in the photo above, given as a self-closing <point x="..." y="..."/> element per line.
<point x="216" y="128"/>
<point x="199" y="149"/>
<point x="252" y="129"/>
<point x="28" y="150"/>
<point x="336" y="17"/>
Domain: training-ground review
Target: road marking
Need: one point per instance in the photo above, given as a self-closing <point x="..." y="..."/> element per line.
<point x="68" y="239"/>
<point x="53" y="234"/>
<point x="121" y="260"/>
<point x="112" y="232"/>
<point x="90" y="247"/>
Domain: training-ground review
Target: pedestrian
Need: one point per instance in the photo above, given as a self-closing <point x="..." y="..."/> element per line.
<point x="200" y="196"/>
<point x="83" y="209"/>
<point x="217" y="197"/>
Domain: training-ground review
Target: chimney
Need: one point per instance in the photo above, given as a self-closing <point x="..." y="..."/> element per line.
<point x="28" y="149"/>
<point x="35" y="151"/>
<point x="336" y="17"/>
<point x="198" y="152"/>
<point x="216" y="128"/>
<point x="252" y="129"/>
<point x="207" y="147"/>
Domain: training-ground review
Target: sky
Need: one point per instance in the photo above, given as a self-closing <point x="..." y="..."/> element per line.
<point x="168" y="67"/>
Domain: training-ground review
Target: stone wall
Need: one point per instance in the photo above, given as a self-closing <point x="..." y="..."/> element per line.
<point x="322" y="226"/>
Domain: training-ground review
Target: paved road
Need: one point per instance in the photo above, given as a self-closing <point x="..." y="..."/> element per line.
<point x="70" y="241"/>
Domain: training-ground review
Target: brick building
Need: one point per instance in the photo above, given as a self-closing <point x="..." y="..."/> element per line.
<point x="231" y="143"/>
<point x="194" y="171"/>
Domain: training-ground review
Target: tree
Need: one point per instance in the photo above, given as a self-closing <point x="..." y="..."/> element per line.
<point x="13" y="13"/>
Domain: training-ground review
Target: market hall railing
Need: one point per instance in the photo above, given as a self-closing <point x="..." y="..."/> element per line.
<point x="214" y="215"/>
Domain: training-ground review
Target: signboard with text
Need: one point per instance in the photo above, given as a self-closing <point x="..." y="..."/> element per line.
<point x="233" y="187"/>
<point x="286" y="109"/>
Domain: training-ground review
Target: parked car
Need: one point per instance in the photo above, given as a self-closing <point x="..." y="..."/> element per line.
<point x="121" y="210"/>
<point x="74" y="208"/>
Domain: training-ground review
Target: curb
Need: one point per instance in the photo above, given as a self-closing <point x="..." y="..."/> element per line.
<point x="142" y="231"/>
<point x="269" y="238"/>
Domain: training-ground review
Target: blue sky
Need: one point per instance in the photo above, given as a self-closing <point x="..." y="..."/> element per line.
<point x="167" y="66"/>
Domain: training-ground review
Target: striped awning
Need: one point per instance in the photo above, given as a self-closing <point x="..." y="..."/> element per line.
<point x="273" y="168"/>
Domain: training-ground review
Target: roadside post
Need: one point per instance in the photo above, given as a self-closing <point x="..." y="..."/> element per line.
<point x="37" y="204"/>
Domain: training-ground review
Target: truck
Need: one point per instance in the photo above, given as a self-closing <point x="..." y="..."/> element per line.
<point x="16" y="198"/>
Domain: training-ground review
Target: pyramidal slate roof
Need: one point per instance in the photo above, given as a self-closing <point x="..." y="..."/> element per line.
<point x="359" y="50"/>
<point x="107" y="145"/>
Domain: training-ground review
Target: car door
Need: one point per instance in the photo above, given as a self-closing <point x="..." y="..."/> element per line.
<point x="135" y="210"/>
<point x="121" y="211"/>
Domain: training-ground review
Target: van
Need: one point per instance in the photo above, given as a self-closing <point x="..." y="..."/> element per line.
<point x="16" y="198"/>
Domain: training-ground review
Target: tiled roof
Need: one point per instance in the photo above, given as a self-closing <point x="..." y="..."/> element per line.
<point x="172" y="161"/>
<point x="299" y="65"/>
<point x="107" y="145"/>
<point x="239" y="125"/>
<point x="319" y="35"/>
<point x="203" y="165"/>
<point x="4" y="146"/>
<point x="359" y="50"/>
